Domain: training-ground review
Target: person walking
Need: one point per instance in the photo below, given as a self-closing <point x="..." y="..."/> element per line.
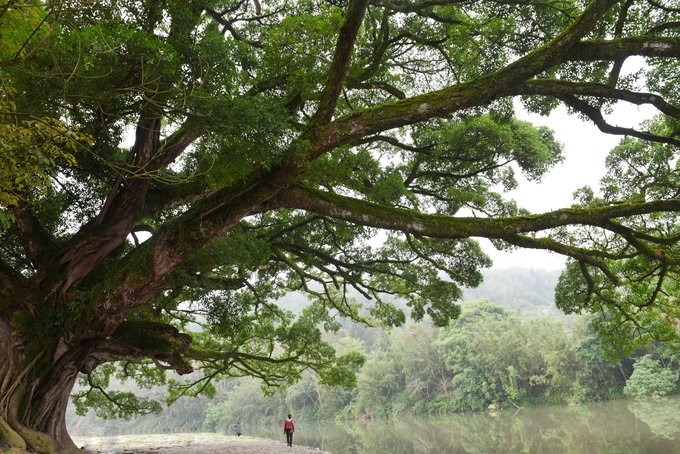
<point x="288" y="429"/>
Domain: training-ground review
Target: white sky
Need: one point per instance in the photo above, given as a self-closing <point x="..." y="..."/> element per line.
<point x="585" y="151"/>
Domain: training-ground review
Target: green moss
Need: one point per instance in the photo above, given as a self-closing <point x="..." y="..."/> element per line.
<point x="20" y="320"/>
<point x="147" y="335"/>
<point x="8" y="435"/>
<point x="40" y="442"/>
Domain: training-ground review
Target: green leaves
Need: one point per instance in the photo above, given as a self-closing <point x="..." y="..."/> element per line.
<point x="114" y="404"/>
<point x="650" y="379"/>
<point x="483" y="143"/>
<point x="632" y="285"/>
<point x="631" y="315"/>
<point x="300" y="48"/>
<point x="246" y="135"/>
<point x="22" y="27"/>
<point x="31" y="152"/>
<point x="640" y="170"/>
<point x="496" y="358"/>
<point x="343" y="372"/>
<point x="109" y="404"/>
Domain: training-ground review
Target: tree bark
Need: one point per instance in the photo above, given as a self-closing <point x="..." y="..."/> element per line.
<point x="37" y="374"/>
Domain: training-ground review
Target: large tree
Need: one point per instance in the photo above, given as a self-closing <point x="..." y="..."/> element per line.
<point x="231" y="151"/>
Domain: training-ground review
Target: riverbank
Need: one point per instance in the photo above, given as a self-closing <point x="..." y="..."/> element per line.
<point x="200" y="443"/>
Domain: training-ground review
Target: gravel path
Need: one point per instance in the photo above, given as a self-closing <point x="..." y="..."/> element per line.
<point x="188" y="444"/>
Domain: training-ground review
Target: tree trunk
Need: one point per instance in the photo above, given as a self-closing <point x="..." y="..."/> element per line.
<point x="37" y="374"/>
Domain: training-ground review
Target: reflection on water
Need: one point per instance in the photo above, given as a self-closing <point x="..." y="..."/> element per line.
<point x="613" y="427"/>
<point x="663" y="420"/>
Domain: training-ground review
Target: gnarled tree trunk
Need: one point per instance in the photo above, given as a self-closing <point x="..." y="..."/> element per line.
<point x="39" y="366"/>
<point x="37" y="374"/>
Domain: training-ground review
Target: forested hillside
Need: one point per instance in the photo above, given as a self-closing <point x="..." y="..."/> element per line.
<point x="494" y="356"/>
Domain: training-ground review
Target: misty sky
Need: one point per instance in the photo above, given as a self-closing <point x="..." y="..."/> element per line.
<point x="585" y="151"/>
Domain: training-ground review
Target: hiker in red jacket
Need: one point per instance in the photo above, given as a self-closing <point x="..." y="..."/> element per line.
<point x="288" y="429"/>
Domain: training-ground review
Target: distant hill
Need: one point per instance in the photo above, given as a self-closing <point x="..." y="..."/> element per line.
<point x="530" y="290"/>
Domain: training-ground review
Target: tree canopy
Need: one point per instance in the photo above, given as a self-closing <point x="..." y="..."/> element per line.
<point x="214" y="155"/>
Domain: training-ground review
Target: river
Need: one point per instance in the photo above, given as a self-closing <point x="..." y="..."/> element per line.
<point x="621" y="426"/>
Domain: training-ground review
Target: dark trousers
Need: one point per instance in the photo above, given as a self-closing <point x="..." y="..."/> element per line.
<point x="289" y="437"/>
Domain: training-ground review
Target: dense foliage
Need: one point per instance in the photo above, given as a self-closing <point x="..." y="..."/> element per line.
<point x="650" y="379"/>
<point x="181" y="165"/>
<point x="488" y="360"/>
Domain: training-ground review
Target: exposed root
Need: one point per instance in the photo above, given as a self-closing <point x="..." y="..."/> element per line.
<point x="21" y="440"/>
<point x="40" y="442"/>
<point x="10" y="436"/>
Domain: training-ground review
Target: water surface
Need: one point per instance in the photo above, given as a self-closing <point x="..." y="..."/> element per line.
<point x="613" y="427"/>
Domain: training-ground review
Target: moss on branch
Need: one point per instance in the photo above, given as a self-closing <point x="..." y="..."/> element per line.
<point x="387" y="217"/>
<point x="647" y="46"/>
<point x="461" y="96"/>
<point x="151" y="336"/>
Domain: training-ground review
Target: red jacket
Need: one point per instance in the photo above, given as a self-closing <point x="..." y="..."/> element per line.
<point x="289" y="425"/>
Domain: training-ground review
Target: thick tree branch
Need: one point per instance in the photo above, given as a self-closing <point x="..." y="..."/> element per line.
<point x="124" y="196"/>
<point x="179" y="240"/>
<point x="12" y="287"/>
<point x="615" y="71"/>
<point x="37" y="243"/>
<point x="123" y="206"/>
<point x="461" y="96"/>
<point x="176" y="143"/>
<point x="413" y="6"/>
<point x="215" y="215"/>
<point x="548" y="87"/>
<point x="596" y="116"/>
<point x="136" y="340"/>
<point x="224" y="209"/>
<point x="228" y="26"/>
<point x="645" y="46"/>
<point x="341" y="58"/>
<point x="168" y="196"/>
<point x="380" y="216"/>
<point x="380" y="48"/>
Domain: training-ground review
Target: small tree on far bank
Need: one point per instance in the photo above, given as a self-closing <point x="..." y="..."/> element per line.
<point x="650" y="379"/>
